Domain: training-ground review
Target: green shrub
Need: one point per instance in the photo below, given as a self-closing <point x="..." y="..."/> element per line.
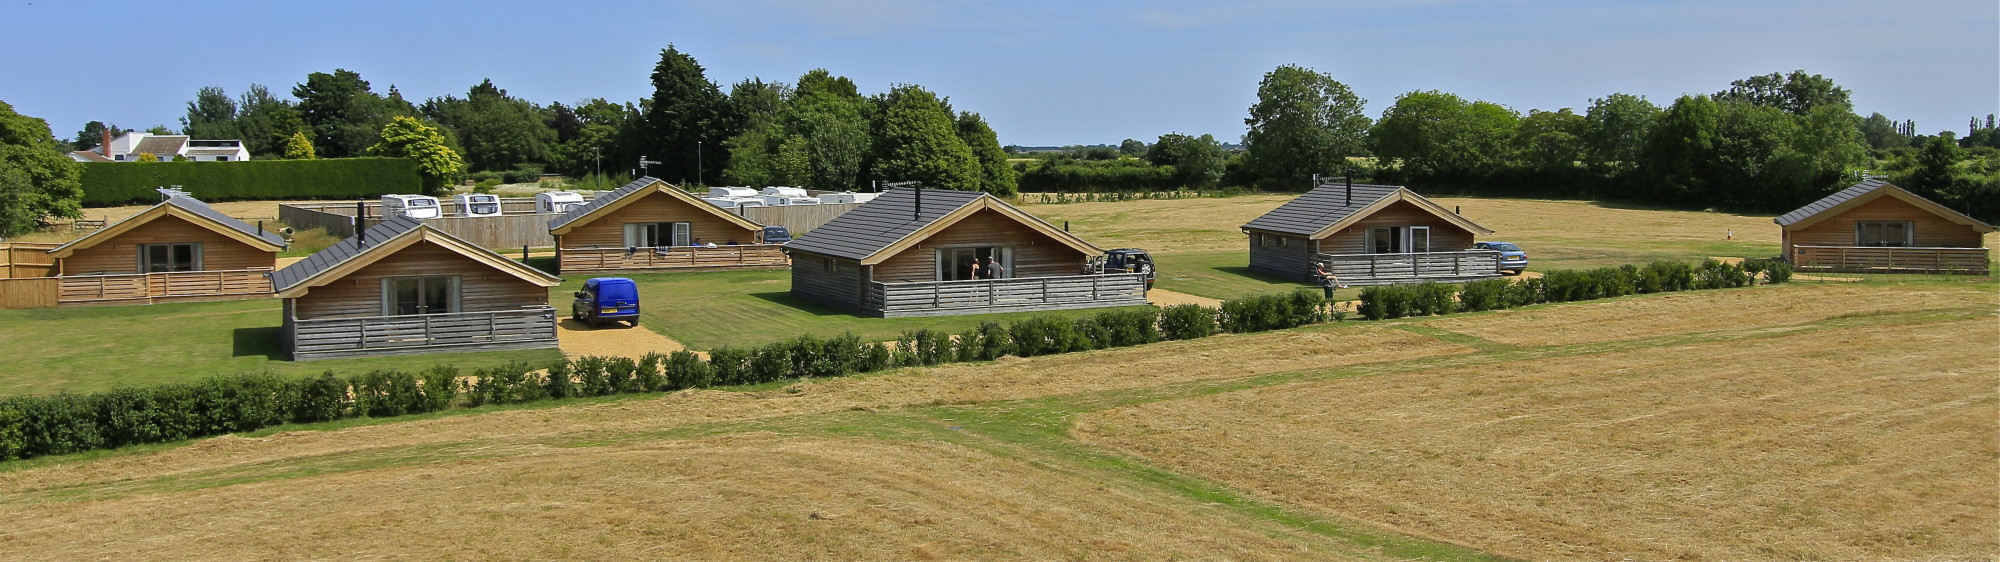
<point x="560" y="382"/>
<point x="684" y="369"/>
<point x="1566" y="285"/>
<point x="1383" y="302"/>
<point x="13" y="434"/>
<point x="440" y="386"/>
<point x="621" y="374"/>
<point x="648" y="377"/>
<point x="1187" y="321"/>
<point x="1434" y="299"/>
<point x="771" y="362"/>
<point x="1717" y="275"/>
<point x="924" y="347"/>
<point x="117" y="183"/>
<point x="730" y="366"/>
<point x="1304" y="307"/>
<point x="322" y="398"/>
<point x="592" y="376"/>
<point x="1772" y="271"/>
<point x="387" y="394"/>
<point x="1089" y="334"/>
<point x="1524" y="292"/>
<point x="876" y="358"/>
<point x="1129" y="327"/>
<point x="508" y="384"/>
<point x="1041" y="335"/>
<point x="1484" y="294"/>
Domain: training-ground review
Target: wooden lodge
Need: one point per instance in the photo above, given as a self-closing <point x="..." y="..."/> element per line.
<point x="1876" y="227"/>
<point x="403" y="287"/>
<point x="1368" y="235"/>
<point x="650" y="225"/>
<point x="911" y="252"/>
<point x="178" y="250"/>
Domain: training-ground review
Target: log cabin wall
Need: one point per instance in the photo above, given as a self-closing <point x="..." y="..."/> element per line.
<point x="1929" y="230"/>
<point x="1035" y="254"/>
<point x="830" y="281"/>
<point x="608" y="231"/>
<point x="1282" y="255"/>
<point x="1445" y="236"/>
<point x="121" y="254"/>
<point x="481" y="287"/>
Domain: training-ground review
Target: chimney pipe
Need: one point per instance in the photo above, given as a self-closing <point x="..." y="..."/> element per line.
<point x="260" y="229"/>
<point x="361" y="223"/>
<point x="917" y="210"/>
<point x="1350" y="189"/>
<point x="106" y="147"/>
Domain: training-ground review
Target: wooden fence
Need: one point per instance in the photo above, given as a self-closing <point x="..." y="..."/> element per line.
<point x="26" y="259"/>
<point x="29" y="292"/>
<point x="1384" y="269"/>
<point x="501" y="232"/>
<point x="532" y="327"/>
<point x="741" y="256"/>
<point x="1870" y="259"/>
<point x="799" y="219"/>
<point x="942" y="298"/>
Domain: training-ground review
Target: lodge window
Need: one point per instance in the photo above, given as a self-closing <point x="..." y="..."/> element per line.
<point x="957" y="264"/>
<point x="1884" y="233"/>
<point x="421" y="294"/>
<point x="657" y="234"/>
<point x="1398" y="239"/>
<point x="158" y="258"/>
<point x="222" y="158"/>
<point x="831" y="265"/>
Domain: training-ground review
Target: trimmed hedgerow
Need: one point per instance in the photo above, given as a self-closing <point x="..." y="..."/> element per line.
<point x="117" y="183"/>
<point x="1273" y="311"/>
<point x="1187" y="321"/>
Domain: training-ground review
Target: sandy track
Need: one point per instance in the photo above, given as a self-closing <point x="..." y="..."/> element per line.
<point x="577" y="340"/>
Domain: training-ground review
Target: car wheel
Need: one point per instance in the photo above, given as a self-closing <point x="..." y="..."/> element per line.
<point x="635" y="321"/>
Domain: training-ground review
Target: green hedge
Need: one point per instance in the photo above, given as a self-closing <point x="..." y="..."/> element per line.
<point x="119" y="183"/>
<point x="1397" y="301"/>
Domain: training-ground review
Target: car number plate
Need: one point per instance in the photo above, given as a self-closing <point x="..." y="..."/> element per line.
<point x="608" y="311"/>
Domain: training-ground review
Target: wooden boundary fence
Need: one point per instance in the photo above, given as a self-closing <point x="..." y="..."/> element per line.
<point x="26" y="259"/>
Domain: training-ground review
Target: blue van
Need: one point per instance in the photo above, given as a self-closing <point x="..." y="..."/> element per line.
<point x="606" y="299"/>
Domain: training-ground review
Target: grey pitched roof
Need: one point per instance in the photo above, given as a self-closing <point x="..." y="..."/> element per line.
<point x="195" y="206"/>
<point x="1317" y="209"/>
<point x="160" y="144"/>
<point x="606" y="199"/>
<point x="340" y="253"/>
<point x="877" y="224"/>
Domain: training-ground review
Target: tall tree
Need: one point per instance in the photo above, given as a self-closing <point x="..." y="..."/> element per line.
<point x="919" y="142"/>
<point x="685" y="120"/>
<point x="1881" y="133"/>
<point x="498" y="132"/>
<point x="266" y="122"/>
<point x="211" y="115"/>
<point x="1551" y="141"/>
<point x="345" y="115"/>
<point x="1197" y="161"/>
<point x="995" y="175"/>
<point x="1441" y="135"/>
<point x="1304" y="122"/>
<point x="1132" y="147"/>
<point x="1936" y="166"/>
<point x="37" y="180"/>
<point x="1796" y="93"/>
<point x="1678" y="152"/>
<point x="1616" y="131"/>
<point x="408" y="137"/>
<point x="93" y="135"/>
<point x="299" y="148"/>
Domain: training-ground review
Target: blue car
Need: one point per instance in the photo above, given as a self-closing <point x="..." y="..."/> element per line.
<point x="776" y="235"/>
<point x="606" y="299"/>
<point x="1512" y="259"/>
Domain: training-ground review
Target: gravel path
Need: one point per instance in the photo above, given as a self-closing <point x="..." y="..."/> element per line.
<point x="577" y="340"/>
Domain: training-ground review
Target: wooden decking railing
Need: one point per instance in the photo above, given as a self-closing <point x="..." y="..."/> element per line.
<point x="1871" y="259"/>
<point x="942" y="298"/>
<point x="1382" y="269"/>
<point x="674" y="257"/>
<point x="151" y="287"/>
<point x="528" y="328"/>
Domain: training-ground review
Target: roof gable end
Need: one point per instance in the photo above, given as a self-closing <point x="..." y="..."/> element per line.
<point x="1869" y="190"/>
<point x="634" y="192"/>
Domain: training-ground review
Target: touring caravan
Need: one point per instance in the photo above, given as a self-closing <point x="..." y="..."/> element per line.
<point x="413" y="206"/>
<point x="557" y="202"/>
<point x="478" y="205"/>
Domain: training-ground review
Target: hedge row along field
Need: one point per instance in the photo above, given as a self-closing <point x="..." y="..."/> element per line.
<point x="117" y="183"/>
<point x="32" y="426"/>
<point x="1397" y="301"/>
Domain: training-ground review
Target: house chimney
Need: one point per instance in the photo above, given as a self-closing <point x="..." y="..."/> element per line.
<point x="106" y="147"/>
<point x="1350" y="189"/>
<point x="361" y="223"/>
<point x="917" y="210"/>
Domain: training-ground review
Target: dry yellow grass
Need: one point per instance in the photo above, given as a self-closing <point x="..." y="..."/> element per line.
<point x="1164" y="225"/>
<point x="741" y="497"/>
<point x="1682" y="313"/>
<point x="1857" y="443"/>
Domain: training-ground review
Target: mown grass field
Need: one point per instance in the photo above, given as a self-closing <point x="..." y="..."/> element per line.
<point x="1816" y="420"/>
<point x="88" y="349"/>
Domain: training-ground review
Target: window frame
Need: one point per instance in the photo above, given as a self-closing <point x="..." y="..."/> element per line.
<point x="1861" y="233"/>
<point x="146" y="264"/>
<point x="454" y="296"/>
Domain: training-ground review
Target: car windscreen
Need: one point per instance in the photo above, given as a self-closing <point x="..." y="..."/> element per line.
<point x="1503" y="246"/>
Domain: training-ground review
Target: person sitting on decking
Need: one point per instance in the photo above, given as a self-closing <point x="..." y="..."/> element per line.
<point x="1327" y="281"/>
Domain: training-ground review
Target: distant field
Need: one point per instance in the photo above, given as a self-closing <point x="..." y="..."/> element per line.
<point x="1819" y="424"/>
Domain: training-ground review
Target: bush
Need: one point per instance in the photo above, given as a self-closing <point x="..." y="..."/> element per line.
<point x="621" y="375"/>
<point x="1484" y="294"/>
<point x="923" y="348"/>
<point x="117" y="183"/>
<point x="1382" y="302"/>
<point x="1435" y="298"/>
<point x="684" y="369"/>
<point x="649" y="377"/>
<point x="1042" y="335"/>
<point x="592" y="376"/>
<point x="383" y="394"/>
<point x="560" y="382"/>
<point x="440" y="387"/>
<point x="770" y="362"/>
<point x="323" y="398"/>
<point x="1187" y="321"/>
<point x="1717" y="275"/>
<point x="1772" y="271"/>
<point x="1129" y="327"/>
<point x="507" y="384"/>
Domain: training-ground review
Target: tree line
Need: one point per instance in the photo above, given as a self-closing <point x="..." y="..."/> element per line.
<point x="1766" y="143"/>
<point x="820" y="132"/>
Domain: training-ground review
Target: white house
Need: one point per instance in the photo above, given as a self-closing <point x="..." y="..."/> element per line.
<point x="128" y="147"/>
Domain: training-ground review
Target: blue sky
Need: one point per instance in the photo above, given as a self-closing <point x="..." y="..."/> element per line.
<point x="1041" y="72"/>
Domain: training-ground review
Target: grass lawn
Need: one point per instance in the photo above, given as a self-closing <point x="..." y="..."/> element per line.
<point x="90" y="349"/>
<point x="712" y="309"/>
